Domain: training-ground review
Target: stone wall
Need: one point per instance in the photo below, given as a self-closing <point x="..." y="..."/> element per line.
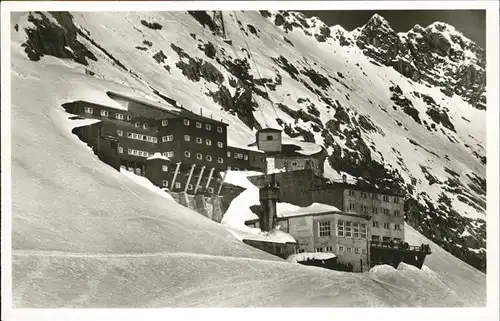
<point x="210" y="207"/>
<point x="282" y="250"/>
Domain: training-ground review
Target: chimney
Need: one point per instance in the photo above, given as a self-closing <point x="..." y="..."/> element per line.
<point x="201" y="112"/>
<point x="344" y="178"/>
<point x="269" y="196"/>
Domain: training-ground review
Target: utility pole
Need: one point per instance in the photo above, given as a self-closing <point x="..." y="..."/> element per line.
<point x="199" y="179"/>
<point x="189" y="178"/>
<point x="223" y="179"/>
<point x="175" y="176"/>
<point x="210" y="177"/>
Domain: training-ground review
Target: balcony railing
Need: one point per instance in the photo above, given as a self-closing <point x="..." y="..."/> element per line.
<point x="402" y="246"/>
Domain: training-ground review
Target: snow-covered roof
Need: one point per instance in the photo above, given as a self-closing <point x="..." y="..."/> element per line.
<point x="314" y="208"/>
<point x="80" y="122"/>
<point x="252" y="148"/>
<point x="300" y="257"/>
<point x="269" y="129"/>
<point x="145" y="101"/>
<point x="305" y="148"/>
<point x="158" y="156"/>
<point x="273" y="236"/>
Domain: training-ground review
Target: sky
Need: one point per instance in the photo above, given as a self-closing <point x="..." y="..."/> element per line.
<point x="472" y="23"/>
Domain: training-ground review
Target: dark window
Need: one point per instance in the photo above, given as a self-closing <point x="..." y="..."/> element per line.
<point x="324" y="229"/>
<point x="269" y="137"/>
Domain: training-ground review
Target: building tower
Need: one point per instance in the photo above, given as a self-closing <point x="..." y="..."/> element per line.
<point x="269" y="196"/>
<point x="269" y="141"/>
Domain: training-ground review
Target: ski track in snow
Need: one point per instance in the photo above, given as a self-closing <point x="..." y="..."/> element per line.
<point x="27" y="253"/>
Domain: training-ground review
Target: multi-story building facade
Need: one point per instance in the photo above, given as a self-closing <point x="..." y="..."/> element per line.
<point x="344" y="234"/>
<point x="195" y="145"/>
<point x="386" y="209"/>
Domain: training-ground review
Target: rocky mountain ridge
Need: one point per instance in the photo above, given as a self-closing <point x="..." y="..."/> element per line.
<point x="438" y="55"/>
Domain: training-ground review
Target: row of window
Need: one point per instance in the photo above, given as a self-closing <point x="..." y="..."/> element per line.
<point x="187" y="138"/>
<point x="199" y="125"/>
<point x="199" y="156"/>
<point x="238" y="155"/>
<point x="386" y="239"/>
<point x="373" y="196"/>
<point x="349" y="250"/>
<point x="164" y="123"/>
<point x="119" y="116"/>
<point x="344" y="229"/>
<point x="130" y="135"/>
<point x="164" y="183"/>
<point x="134" y="152"/>
<point x="387" y="226"/>
<point x="364" y="209"/>
<point x="342" y="248"/>
<point x="351" y="229"/>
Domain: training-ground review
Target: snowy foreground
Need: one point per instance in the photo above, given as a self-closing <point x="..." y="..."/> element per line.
<point x="85" y="235"/>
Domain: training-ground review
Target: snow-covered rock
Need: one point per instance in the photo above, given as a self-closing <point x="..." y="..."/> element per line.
<point x="300" y="257"/>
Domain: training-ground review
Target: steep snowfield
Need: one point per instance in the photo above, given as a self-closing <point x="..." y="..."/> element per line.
<point x="85" y="235"/>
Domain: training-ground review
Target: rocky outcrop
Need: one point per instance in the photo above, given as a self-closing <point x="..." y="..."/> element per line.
<point x="196" y="69"/>
<point x="438" y="55"/>
<point x="152" y="25"/>
<point x="55" y="39"/>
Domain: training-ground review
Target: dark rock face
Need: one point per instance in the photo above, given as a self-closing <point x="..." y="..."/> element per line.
<point x="209" y="50"/>
<point x="265" y="13"/>
<point x="59" y="41"/>
<point x="317" y="78"/>
<point x="425" y="55"/>
<point x="445" y="227"/>
<point x="324" y="34"/>
<point x="160" y="57"/>
<point x="152" y="25"/>
<point x="440" y="117"/>
<point x="407" y="106"/>
<point x="286" y="66"/>
<point x="252" y="29"/>
<point x="195" y="69"/>
<point x="241" y="104"/>
<point x="279" y="20"/>
<point x="288" y="41"/>
<point x="204" y="19"/>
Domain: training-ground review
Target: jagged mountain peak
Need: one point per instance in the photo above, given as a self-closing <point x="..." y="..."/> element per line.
<point x="378" y="21"/>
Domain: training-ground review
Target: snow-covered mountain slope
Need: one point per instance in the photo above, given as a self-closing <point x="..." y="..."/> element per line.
<point x="85" y="235"/>
<point x="376" y="125"/>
